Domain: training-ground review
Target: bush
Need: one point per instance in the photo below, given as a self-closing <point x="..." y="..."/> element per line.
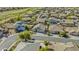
<point x="44" y="48"/>
<point x="63" y="34"/>
<point x="26" y="35"/>
<point x="21" y="35"/>
<point x="46" y="43"/>
<point x="26" y="27"/>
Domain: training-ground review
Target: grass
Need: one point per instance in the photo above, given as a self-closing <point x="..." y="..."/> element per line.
<point x="7" y="15"/>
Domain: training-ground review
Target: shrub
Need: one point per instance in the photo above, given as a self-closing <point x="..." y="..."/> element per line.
<point x="46" y="43"/>
<point x="63" y="34"/>
<point x="26" y="35"/>
<point x="26" y="27"/>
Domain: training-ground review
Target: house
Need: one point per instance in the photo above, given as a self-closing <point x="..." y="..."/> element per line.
<point x="27" y="15"/>
<point x="55" y="29"/>
<point x="69" y="22"/>
<point x="71" y="29"/>
<point x="39" y="28"/>
<point x="62" y="15"/>
<point x="54" y="20"/>
<point x="44" y="15"/>
<point x="10" y="27"/>
<point x="41" y="20"/>
<point x="27" y="20"/>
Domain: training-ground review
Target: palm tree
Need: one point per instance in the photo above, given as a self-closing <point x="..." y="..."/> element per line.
<point x="47" y="27"/>
<point x="45" y="22"/>
<point x="48" y="32"/>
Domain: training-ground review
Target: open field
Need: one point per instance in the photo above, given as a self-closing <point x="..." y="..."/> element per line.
<point x="7" y="15"/>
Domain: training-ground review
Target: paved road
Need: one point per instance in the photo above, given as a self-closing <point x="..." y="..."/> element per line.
<point x="57" y="39"/>
<point x="31" y="47"/>
<point x="24" y="46"/>
<point x="20" y="46"/>
<point x="8" y="42"/>
<point x="35" y="46"/>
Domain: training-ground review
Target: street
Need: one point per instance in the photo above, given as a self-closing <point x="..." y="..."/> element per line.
<point x="8" y="42"/>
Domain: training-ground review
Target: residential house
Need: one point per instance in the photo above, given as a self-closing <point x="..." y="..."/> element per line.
<point x="41" y="18"/>
<point x="55" y="29"/>
<point x="54" y="20"/>
<point x="39" y="28"/>
<point x="10" y="27"/>
<point x="68" y="22"/>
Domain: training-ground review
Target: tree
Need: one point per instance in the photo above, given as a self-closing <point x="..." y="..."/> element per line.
<point x="25" y="35"/>
<point x="47" y="28"/>
<point x="48" y="32"/>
